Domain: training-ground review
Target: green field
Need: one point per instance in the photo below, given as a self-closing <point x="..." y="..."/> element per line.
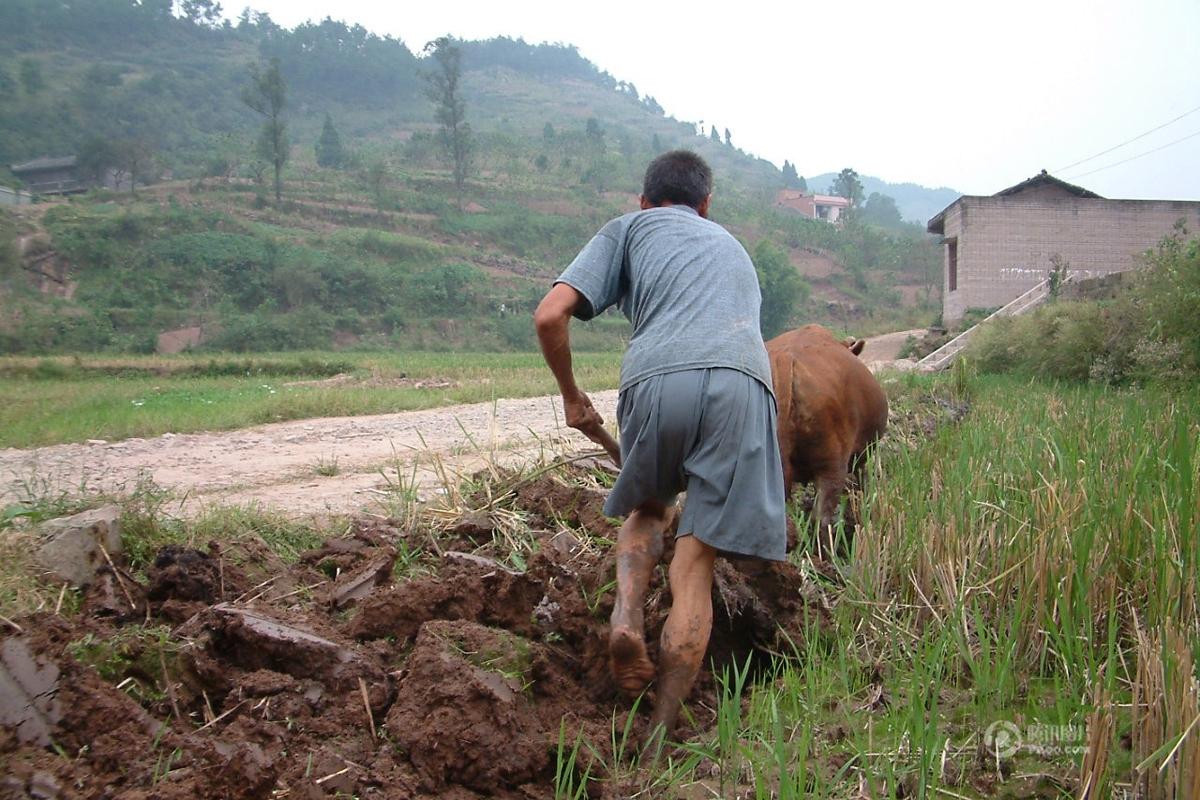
<point x="1033" y="568"/>
<point x="71" y="399"/>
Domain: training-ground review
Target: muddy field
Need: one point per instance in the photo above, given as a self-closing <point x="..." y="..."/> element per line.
<point x="395" y="661"/>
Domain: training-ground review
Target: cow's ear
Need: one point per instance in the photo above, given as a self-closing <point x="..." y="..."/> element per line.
<point x="857" y="346"/>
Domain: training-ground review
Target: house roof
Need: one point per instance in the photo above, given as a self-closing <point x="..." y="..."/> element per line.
<point x="45" y="162"/>
<point x="1043" y="178"/>
<point x="831" y="200"/>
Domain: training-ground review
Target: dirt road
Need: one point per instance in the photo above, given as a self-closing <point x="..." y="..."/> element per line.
<point x="286" y="465"/>
<point x="331" y="465"/>
<point x="885" y="348"/>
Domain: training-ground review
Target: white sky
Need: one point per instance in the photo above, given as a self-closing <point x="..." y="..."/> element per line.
<point x="976" y="96"/>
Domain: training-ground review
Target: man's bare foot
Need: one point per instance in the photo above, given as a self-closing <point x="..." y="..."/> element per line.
<point x="631" y="667"/>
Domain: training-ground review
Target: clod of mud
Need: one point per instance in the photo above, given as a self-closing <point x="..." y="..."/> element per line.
<point x="462" y="712"/>
<point x="255" y="640"/>
<point x="28" y="693"/>
<point x="180" y="573"/>
<point x="464" y="590"/>
<point x="353" y="586"/>
<point x="574" y="506"/>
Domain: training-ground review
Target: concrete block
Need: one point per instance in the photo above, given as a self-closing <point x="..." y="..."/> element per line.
<point x="69" y="547"/>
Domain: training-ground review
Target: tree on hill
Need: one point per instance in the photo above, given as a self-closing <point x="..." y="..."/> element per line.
<point x="445" y="90"/>
<point x="716" y="137"/>
<point x="134" y="158"/>
<point x="783" y="290"/>
<point x="847" y="185"/>
<point x="201" y="12"/>
<point x="97" y="156"/>
<point x="728" y="138"/>
<point x="31" y="77"/>
<point x="791" y="178"/>
<point x="267" y="95"/>
<point x="594" y="132"/>
<point x="329" y="146"/>
<point x="881" y="210"/>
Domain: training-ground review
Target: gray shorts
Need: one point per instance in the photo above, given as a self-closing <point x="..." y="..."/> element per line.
<point x="711" y="433"/>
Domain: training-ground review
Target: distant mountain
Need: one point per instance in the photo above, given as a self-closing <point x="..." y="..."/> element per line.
<point x="916" y="203"/>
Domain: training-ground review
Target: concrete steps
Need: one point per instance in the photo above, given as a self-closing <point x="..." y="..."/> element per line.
<point x="945" y="355"/>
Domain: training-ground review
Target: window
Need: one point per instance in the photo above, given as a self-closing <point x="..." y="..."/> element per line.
<point x="952" y="262"/>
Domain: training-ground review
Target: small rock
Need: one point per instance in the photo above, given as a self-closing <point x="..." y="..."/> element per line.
<point x="97" y="442"/>
<point x="474" y="525"/>
<point x="44" y="786"/>
<point x="545" y="612"/>
<point x="70" y="547"/>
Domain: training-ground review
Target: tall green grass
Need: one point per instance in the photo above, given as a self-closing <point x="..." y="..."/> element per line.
<point x="1036" y="565"/>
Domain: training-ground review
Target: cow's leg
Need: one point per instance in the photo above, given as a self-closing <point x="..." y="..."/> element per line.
<point x="831" y="484"/>
<point x="789" y="479"/>
<point x="639" y="547"/>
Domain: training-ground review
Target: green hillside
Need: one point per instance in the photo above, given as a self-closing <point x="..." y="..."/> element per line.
<point x="377" y="249"/>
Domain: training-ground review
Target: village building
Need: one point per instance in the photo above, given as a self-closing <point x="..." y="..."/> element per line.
<point x="51" y="175"/>
<point x="999" y="247"/>
<point x="814" y="206"/>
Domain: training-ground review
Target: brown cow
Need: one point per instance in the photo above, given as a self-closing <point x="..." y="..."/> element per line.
<point x="831" y="409"/>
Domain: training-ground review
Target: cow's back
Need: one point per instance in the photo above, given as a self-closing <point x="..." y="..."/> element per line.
<point x="831" y="408"/>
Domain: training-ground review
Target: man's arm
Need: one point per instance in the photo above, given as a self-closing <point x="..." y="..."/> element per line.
<point x="552" y="320"/>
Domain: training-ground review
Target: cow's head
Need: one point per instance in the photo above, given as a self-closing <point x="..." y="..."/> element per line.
<point x="855" y="345"/>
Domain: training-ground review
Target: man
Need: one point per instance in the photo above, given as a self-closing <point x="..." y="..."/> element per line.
<point x="695" y="410"/>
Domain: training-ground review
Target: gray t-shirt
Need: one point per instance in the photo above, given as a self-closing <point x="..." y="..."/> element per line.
<point x="685" y="283"/>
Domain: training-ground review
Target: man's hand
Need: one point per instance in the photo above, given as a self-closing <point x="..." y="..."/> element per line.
<point x="551" y="319"/>
<point x="583" y="417"/>
<point x="581" y="414"/>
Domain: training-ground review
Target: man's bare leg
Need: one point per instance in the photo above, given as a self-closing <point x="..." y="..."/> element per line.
<point x="639" y="547"/>
<point x="685" y="635"/>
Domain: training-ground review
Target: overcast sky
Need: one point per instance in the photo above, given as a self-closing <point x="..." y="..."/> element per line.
<point x="975" y="96"/>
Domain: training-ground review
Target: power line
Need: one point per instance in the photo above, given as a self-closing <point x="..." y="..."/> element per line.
<point x="1130" y="141"/>
<point x="1131" y="158"/>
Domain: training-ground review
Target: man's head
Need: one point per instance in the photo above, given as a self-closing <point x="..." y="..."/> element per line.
<point x="679" y="177"/>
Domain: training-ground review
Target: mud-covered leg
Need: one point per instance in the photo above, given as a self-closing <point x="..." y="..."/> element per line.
<point x="639" y="547"/>
<point x="685" y="635"/>
<point x="830" y="487"/>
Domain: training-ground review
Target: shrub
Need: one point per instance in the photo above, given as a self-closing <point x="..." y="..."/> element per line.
<point x="1150" y="332"/>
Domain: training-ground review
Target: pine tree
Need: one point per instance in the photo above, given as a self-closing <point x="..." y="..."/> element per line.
<point x="329" y="146"/>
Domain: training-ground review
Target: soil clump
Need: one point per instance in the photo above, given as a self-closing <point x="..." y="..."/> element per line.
<point x="452" y="672"/>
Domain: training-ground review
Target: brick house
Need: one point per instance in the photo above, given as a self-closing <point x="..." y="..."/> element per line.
<point x="814" y="206"/>
<point x="996" y="248"/>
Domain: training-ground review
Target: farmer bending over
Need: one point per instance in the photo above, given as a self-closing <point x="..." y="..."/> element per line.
<point x="696" y="413"/>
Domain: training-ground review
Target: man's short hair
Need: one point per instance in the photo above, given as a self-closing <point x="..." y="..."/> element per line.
<point x="678" y="177"/>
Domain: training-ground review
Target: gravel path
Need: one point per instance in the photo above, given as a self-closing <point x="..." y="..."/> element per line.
<point x="279" y="465"/>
